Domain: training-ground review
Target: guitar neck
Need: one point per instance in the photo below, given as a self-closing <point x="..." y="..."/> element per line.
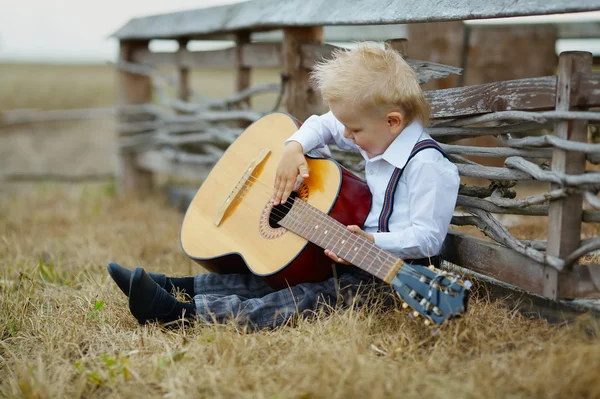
<point x="321" y="229"/>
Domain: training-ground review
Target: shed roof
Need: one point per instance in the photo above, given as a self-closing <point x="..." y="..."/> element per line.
<point x="257" y="15"/>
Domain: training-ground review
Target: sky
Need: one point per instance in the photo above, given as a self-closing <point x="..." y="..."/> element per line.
<point x="75" y="30"/>
<point x="79" y="30"/>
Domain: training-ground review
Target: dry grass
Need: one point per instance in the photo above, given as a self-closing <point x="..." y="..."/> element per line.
<point x="66" y="330"/>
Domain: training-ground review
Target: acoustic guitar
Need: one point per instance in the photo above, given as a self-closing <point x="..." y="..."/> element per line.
<point x="231" y="226"/>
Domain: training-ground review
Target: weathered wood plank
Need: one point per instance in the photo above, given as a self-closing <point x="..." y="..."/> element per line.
<point x="254" y="55"/>
<point x="532" y="210"/>
<point x="500" y="152"/>
<point x="272" y="14"/>
<point x="501" y="263"/>
<point x="522" y="94"/>
<point x="263" y="55"/>
<point x="564" y="216"/>
<point x="190" y="59"/>
<point x="492" y="172"/>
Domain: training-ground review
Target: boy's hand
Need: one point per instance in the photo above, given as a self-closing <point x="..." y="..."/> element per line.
<point x="356" y="230"/>
<point x="292" y="164"/>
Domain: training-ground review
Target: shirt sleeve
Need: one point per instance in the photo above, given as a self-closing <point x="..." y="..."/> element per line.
<point x="432" y="191"/>
<point x="320" y="130"/>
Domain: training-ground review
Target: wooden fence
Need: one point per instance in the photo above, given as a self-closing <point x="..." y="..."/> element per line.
<point x="187" y="134"/>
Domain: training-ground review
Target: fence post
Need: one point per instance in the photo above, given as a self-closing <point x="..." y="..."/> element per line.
<point x="242" y="72"/>
<point x="301" y="100"/>
<point x="133" y="89"/>
<point x="183" y="75"/>
<point x="242" y="77"/>
<point x="564" y="216"/>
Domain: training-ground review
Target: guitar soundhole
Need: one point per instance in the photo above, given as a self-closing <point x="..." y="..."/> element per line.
<point x="278" y="212"/>
<point x="271" y="215"/>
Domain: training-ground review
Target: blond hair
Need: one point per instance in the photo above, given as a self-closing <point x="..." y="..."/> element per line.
<point x="369" y="76"/>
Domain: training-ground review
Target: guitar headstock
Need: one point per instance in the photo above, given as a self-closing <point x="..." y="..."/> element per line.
<point x="435" y="294"/>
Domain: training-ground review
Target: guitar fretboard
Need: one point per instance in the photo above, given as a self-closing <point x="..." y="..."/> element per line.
<point x="326" y="232"/>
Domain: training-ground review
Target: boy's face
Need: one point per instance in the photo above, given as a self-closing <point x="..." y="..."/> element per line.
<point x="371" y="131"/>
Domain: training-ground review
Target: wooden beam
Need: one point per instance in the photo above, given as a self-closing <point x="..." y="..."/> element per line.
<point x="564" y="215"/>
<point x="266" y="15"/>
<point x="254" y="55"/>
<point x="504" y="264"/>
<point x="522" y="94"/>
<point x="133" y="89"/>
<point x="263" y="55"/>
<point x="301" y="100"/>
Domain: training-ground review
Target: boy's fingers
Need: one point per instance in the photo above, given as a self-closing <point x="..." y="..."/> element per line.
<point x="335" y="258"/>
<point x="354" y="229"/>
<point x="289" y="187"/>
<point x="303" y="169"/>
<point x="275" y="187"/>
<point x="279" y="193"/>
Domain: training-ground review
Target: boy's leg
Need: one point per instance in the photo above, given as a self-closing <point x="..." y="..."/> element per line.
<point x="245" y="285"/>
<point x="275" y="307"/>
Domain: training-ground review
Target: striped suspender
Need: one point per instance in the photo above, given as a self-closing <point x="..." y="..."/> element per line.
<point x="388" y="200"/>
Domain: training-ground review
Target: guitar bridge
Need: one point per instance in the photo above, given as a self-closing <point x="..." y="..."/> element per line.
<point x="243" y="184"/>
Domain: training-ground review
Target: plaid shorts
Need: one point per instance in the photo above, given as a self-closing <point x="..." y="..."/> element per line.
<point x="249" y="300"/>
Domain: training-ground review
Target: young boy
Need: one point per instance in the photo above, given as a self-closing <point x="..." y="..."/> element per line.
<point x="378" y="109"/>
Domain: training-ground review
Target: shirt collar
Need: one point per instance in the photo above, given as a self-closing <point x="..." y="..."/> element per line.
<point x="398" y="152"/>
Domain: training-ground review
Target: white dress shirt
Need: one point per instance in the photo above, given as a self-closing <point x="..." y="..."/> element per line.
<point x="425" y="195"/>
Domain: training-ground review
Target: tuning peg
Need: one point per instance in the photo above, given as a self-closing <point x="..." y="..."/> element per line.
<point x="427" y="322"/>
<point x="431" y="267"/>
<point x="404" y="305"/>
<point x="415" y="314"/>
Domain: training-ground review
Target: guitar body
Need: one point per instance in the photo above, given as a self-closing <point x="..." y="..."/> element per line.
<point x="230" y="225"/>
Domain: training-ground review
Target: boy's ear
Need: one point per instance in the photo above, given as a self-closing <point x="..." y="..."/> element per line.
<point x="394" y="122"/>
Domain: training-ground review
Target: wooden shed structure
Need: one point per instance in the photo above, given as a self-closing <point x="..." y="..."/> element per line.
<point x="541" y="121"/>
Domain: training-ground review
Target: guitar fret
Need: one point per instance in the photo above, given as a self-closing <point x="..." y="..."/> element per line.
<point x="330" y="231"/>
<point x="349" y="239"/>
<point x="338" y="248"/>
<point x="356" y="250"/>
<point x="382" y="264"/>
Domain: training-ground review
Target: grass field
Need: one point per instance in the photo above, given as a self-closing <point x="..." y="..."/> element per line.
<point x="66" y="331"/>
